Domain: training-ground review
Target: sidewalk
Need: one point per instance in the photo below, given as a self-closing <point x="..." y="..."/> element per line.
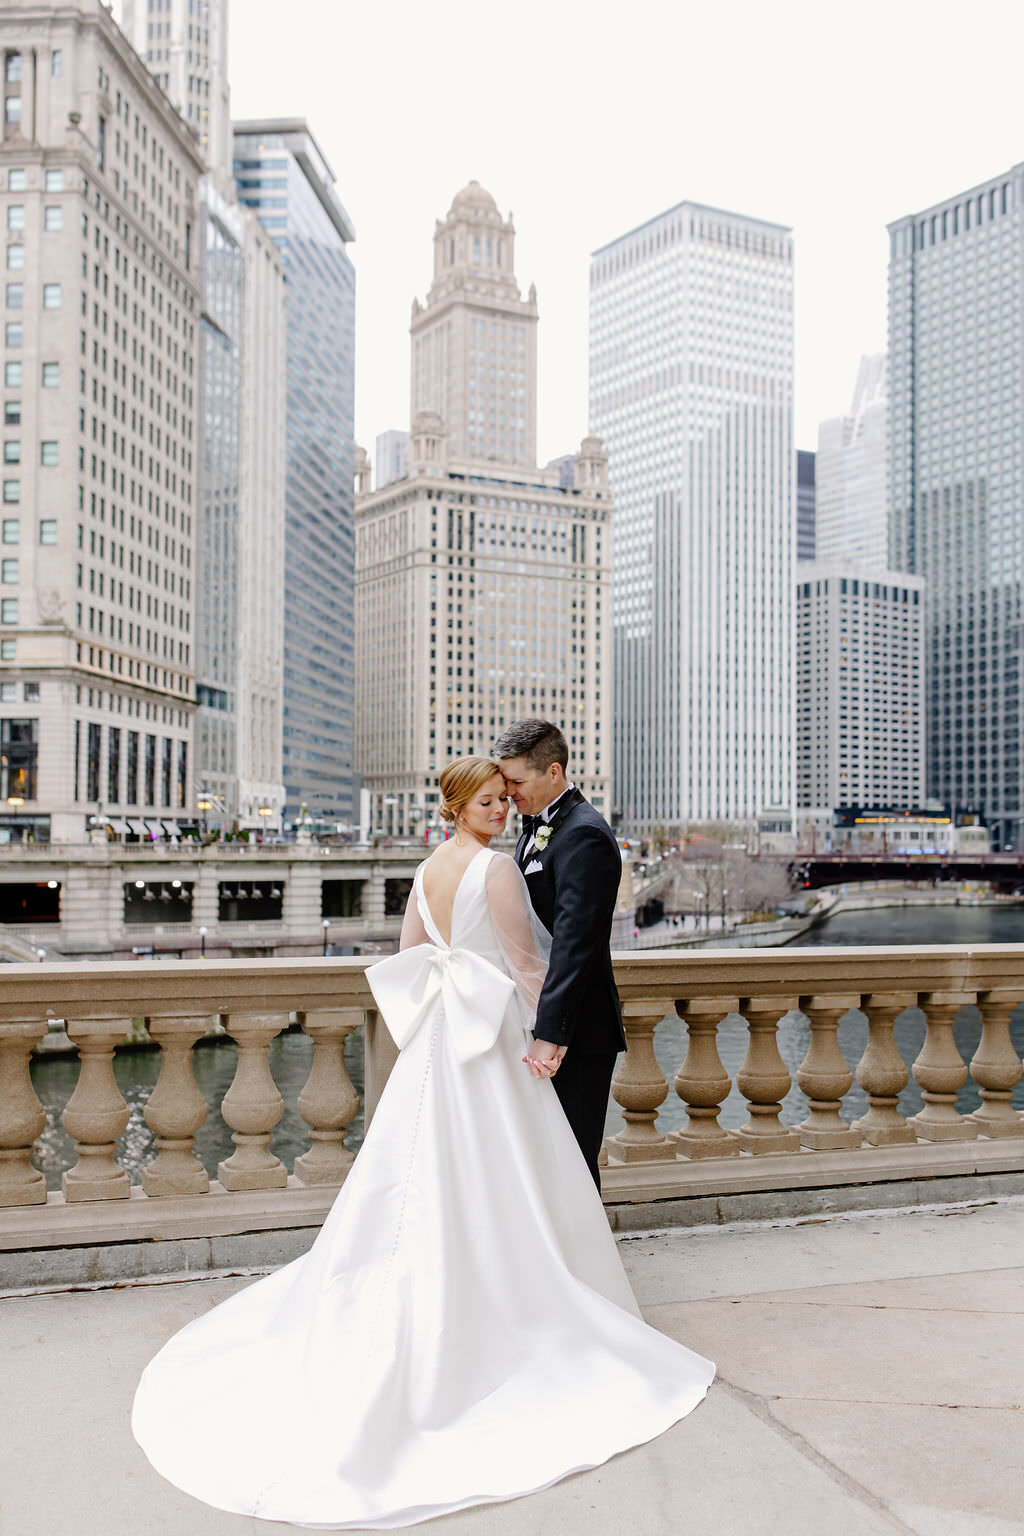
<point x="871" y="1380"/>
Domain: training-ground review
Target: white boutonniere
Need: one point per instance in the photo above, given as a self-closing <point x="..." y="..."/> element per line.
<point x="542" y="836"/>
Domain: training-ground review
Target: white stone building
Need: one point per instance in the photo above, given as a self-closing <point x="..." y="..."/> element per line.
<point x="851" y="519"/>
<point x="482" y="583"/>
<point x="691" y="390"/>
<point x="859" y="687"/>
<point x="956" y="482"/>
<point x="185" y="44"/>
<point x="98" y="206"/>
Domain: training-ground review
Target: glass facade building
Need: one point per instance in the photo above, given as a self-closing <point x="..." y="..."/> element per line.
<point x="805" y="505"/>
<point x="217" y="589"/>
<point x="956" y="482"/>
<point x="281" y="174"/>
<point x="691" y="391"/>
<point x="851" y="513"/>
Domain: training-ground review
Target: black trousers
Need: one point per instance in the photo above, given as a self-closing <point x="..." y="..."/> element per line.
<point x="583" y="1084"/>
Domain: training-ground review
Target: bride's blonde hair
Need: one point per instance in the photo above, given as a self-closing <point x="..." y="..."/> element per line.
<point x="460" y="781"/>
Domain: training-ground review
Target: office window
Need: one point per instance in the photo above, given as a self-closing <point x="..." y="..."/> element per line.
<point x="12" y="412"/>
<point x="12" y="334"/>
<point x="12" y="375"/>
<point x="12" y="490"/>
<point x="55" y="181"/>
<point x="12" y="68"/>
<point x="16" y="180"/>
<point x="51" y="375"/>
<point x="12" y="452"/>
<point x="9" y="572"/>
<point x="10" y="530"/>
<point x="8" y="610"/>
<point x="51" y="295"/>
<point x="57" y="61"/>
<point x="53" y="216"/>
<point x="16" y="216"/>
<point x="15" y="257"/>
<point x="12" y="110"/>
<point x="8" y="650"/>
<point x="15" y="295"/>
<point x="48" y="530"/>
<point x="48" y="453"/>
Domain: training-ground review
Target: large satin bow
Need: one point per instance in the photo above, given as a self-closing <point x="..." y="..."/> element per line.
<point x="474" y="992"/>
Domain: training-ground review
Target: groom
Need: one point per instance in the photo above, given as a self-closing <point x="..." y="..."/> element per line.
<point x="572" y="865"/>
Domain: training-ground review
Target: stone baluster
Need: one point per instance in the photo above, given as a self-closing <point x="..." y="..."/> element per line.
<point x="96" y="1113"/>
<point x="824" y="1076"/>
<point x="328" y="1102"/>
<point x="252" y="1105"/>
<point x="22" y="1117"/>
<point x="941" y="1071"/>
<point x="763" y="1079"/>
<point x="702" y="1082"/>
<point x="175" y="1111"/>
<point x="996" y="1067"/>
<point x="639" y="1086"/>
<point x="882" y="1072"/>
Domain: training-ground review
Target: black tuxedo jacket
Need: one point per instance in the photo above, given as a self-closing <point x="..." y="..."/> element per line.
<point x="573" y="884"/>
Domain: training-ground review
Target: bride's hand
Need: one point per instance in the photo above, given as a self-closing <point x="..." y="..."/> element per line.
<point x="545" y="1058"/>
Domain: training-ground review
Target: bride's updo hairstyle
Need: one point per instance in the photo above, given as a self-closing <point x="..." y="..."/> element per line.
<point x="460" y="781"/>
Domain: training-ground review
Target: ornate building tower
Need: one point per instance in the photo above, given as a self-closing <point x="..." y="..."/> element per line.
<point x="474" y="344"/>
<point x="483" y="582"/>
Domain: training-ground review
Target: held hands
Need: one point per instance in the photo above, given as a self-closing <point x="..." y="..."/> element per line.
<point x="544" y="1059"/>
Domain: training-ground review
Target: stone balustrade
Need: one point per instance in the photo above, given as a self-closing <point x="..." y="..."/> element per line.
<point x="644" y="1163"/>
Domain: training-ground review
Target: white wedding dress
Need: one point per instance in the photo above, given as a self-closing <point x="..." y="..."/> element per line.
<point x="462" y="1329"/>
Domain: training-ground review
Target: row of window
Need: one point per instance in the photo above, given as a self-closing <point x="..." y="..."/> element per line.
<point x="49" y="375"/>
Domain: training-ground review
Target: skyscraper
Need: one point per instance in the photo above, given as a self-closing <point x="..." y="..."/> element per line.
<point x="956" y="470"/>
<point x="185" y="44"/>
<point x="850" y="475"/>
<point x="805" y="505"/>
<point x="859" y="687"/>
<point x="282" y="175"/>
<point x="240" y="516"/>
<point x="98" y="187"/>
<point x="482" y="583"/>
<point x="391" y="457"/>
<point x="474" y="342"/>
<point x="691" y="390"/>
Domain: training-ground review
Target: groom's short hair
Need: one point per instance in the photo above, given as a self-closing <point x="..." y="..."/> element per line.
<point x="538" y="741"/>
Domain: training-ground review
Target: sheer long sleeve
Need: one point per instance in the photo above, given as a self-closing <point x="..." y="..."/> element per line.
<point x="413" y="930"/>
<point x="522" y="939"/>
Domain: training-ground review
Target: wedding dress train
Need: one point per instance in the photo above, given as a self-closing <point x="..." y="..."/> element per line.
<point x="462" y="1330"/>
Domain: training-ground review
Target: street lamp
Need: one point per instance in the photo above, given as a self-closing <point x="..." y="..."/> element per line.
<point x="724" y="895"/>
<point x="202" y="943"/>
<point x="325" y="923"/>
<point x="699" y="896"/>
<point x="204" y="805"/>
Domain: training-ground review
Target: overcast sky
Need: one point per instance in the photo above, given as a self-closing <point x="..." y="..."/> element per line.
<point x="585" y="119"/>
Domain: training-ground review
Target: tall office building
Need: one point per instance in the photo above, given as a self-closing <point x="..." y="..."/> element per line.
<point x="482" y="587"/>
<point x="956" y="470"/>
<point x="98" y="179"/>
<point x="805" y="505"/>
<point x="391" y="457"/>
<point x="283" y="176"/>
<point x="185" y="44"/>
<point x="859" y="687"/>
<point x="850" y="474"/>
<point x="240" y="546"/>
<point x="474" y="342"/>
<point x="691" y="389"/>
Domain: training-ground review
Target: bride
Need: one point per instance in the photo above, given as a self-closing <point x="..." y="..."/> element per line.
<point x="462" y="1330"/>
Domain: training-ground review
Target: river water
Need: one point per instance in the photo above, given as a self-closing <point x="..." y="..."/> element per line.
<point x="291" y="1053"/>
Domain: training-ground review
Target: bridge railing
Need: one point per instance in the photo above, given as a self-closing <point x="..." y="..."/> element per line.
<point x="256" y="1000"/>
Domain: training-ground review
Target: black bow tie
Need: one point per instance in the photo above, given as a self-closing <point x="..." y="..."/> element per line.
<point x="530" y="824"/>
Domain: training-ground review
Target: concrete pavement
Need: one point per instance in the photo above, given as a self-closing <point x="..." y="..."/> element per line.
<point x="871" y="1380"/>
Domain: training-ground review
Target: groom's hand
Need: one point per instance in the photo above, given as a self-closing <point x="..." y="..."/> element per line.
<point x="544" y="1058"/>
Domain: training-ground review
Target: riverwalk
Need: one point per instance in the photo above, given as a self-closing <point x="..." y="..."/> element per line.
<point x="870" y="1381"/>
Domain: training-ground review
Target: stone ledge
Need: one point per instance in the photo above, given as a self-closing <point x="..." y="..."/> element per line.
<point x="61" y="1244"/>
